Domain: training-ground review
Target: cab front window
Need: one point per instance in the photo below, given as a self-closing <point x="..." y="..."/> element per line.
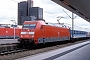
<point x="31" y="26"/>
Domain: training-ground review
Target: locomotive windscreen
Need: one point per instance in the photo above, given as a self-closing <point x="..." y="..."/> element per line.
<point x="31" y="26"/>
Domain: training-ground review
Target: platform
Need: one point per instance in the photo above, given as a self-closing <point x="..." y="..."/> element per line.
<point x="8" y="41"/>
<point x="66" y="53"/>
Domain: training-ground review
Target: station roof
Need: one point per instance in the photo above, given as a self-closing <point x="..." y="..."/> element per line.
<point x="79" y="7"/>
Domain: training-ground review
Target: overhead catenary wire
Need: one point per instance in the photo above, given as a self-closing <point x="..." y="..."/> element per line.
<point x="14" y="1"/>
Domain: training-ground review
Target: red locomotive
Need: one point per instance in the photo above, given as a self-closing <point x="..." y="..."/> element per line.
<point x="36" y="32"/>
<point x="8" y="33"/>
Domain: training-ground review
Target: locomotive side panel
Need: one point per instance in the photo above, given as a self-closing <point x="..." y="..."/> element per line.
<point x="52" y="34"/>
<point x="39" y="33"/>
<point x="9" y="33"/>
<point x="17" y="32"/>
<point x="43" y="33"/>
<point x="2" y="32"/>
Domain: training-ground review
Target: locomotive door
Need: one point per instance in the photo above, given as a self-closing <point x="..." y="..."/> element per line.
<point x="43" y="33"/>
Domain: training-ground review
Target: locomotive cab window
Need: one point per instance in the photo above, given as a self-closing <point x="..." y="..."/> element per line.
<point x="31" y="26"/>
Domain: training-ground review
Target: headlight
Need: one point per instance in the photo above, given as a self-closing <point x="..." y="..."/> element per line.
<point x="31" y="32"/>
<point x="23" y="32"/>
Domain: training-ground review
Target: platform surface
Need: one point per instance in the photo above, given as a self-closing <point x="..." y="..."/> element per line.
<point x="79" y="51"/>
<point x="8" y="41"/>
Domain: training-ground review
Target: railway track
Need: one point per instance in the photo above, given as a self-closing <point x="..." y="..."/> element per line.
<point x="18" y="53"/>
<point x="12" y="51"/>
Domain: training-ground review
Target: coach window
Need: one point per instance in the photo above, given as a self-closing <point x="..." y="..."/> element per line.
<point x="80" y="32"/>
<point x="77" y="32"/>
<point x="74" y="32"/>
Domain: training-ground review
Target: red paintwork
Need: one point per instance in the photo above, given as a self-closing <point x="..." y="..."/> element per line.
<point x="9" y="31"/>
<point x="44" y="31"/>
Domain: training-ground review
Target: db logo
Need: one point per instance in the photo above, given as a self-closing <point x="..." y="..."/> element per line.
<point x="27" y="32"/>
